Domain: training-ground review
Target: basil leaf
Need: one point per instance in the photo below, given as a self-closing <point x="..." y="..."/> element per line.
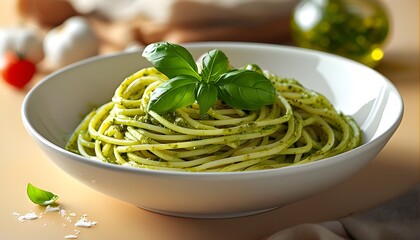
<point x="171" y="59"/>
<point x="206" y="96"/>
<point x="215" y="63"/>
<point x="246" y="89"/>
<point x="39" y="196"/>
<point x="175" y="93"/>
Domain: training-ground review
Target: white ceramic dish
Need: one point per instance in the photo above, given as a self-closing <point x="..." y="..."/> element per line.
<point x="54" y="107"/>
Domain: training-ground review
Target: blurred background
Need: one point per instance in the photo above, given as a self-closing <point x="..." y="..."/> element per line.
<point x="70" y="30"/>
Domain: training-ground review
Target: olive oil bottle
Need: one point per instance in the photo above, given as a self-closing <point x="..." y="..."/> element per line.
<point x="356" y="29"/>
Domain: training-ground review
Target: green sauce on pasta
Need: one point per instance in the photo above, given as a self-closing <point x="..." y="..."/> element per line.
<point x="301" y="126"/>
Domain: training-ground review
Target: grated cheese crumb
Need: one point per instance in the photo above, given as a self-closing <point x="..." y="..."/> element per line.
<point x="53" y="209"/>
<point x="65" y="214"/>
<point x="84" y="222"/>
<point x="28" y="216"/>
<point x="71" y="236"/>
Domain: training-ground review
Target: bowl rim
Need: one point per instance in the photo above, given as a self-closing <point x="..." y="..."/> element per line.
<point x="129" y="169"/>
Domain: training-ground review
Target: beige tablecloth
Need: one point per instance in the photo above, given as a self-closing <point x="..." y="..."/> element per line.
<point x="396" y="219"/>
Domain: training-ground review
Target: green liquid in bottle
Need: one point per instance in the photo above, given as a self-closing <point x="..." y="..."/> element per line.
<point x="356" y="29"/>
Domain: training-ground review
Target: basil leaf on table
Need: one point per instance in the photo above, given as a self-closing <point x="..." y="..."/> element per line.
<point x="206" y="96"/>
<point x="214" y="63"/>
<point x="40" y="196"/>
<point x="171" y="59"/>
<point x="175" y="93"/>
<point x="246" y="89"/>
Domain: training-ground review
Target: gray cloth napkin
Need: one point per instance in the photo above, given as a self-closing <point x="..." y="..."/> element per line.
<point x="398" y="219"/>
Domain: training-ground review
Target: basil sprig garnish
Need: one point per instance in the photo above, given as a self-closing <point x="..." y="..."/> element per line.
<point x="40" y="196"/>
<point x="239" y="88"/>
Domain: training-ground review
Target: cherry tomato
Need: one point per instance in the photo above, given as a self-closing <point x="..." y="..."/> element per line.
<point x="16" y="70"/>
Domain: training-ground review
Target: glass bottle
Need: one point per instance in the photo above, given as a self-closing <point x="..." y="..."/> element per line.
<point x="356" y="29"/>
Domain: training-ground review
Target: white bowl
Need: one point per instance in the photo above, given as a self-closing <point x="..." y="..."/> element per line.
<point x="53" y="108"/>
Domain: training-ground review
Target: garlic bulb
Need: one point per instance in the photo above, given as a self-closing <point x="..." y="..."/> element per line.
<point x="22" y="40"/>
<point x="70" y="42"/>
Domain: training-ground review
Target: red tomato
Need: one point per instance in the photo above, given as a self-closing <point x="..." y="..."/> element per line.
<point x="17" y="71"/>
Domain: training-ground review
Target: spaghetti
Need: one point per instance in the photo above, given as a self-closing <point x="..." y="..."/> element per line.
<point x="301" y="126"/>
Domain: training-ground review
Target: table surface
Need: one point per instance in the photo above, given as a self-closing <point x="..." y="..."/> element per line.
<point x="391" y="173"/>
